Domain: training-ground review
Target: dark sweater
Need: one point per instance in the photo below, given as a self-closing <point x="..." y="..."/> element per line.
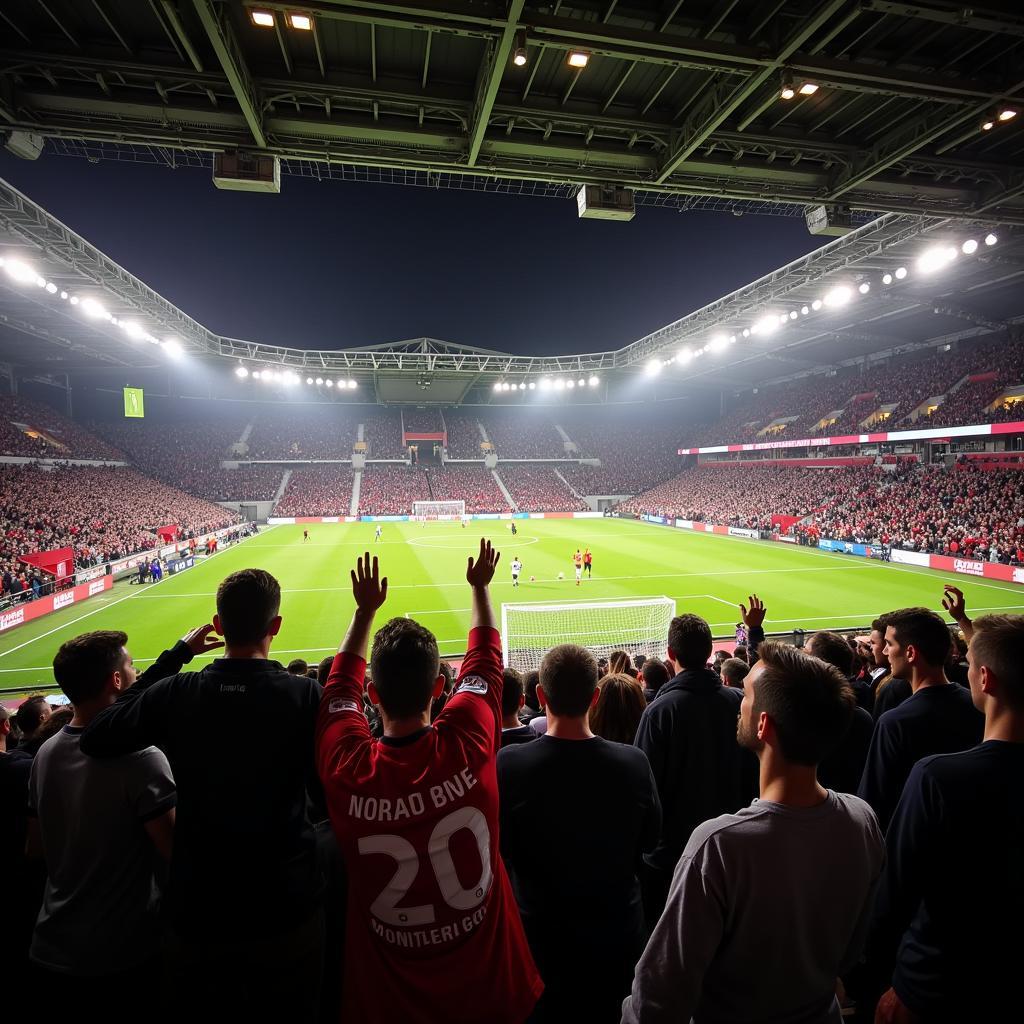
<point x="244" y="859"/>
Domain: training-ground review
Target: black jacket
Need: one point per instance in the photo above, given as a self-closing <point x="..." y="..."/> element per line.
<point x="239" y="737"/>
<point x="689" y="737"/>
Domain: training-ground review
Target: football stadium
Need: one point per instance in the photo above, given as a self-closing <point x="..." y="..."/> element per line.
<point x="581" y="443"/>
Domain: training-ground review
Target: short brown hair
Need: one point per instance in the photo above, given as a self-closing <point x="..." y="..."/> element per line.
<point x="735" y="670"/>
<point x="247" y="602"/>
<point x="298" y="666"/>
<point x="404" y="665"/>
<point x="511" y="691"/>
<point x="925" y="630"/>
<point x="808" y="700"/>
<point x="833" y="648"/>
<point x="996" y="645"/>
<point x="689" y="640"/>
<point x="83" y="664"/>
<point x="620" y="704"/>
<point x="568" y="677"/>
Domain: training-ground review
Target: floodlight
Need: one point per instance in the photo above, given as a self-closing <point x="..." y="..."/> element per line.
<point x="570" y="384"/>
<point x="793" y="314"/>
<point x="864" y="287"/>
<point x="746" y="332"/>
<point x="91" y="308"/>
<point x="653" y="368"/>
<point x="838" y="296"/>
<point x="132" y="329"/>
<point x="255" y="373"/>
<point x="578" y="59"/>
<point x="805" y="310"/>
<point x="51" y="287"/>
<point x="808" y="88"/>
<point x="319" y="381"/>
<point x="787" y="90"/>
<point x="519" y="56"/>
<point x="309" y="380"/>
<point x="262" y="19"/>
<point x="522" y="386"/>
<point x="353" y="385"/>
<point x="73" y="300"/>
<point x="816" y="305"/>
<point x="593" y="382"/>
<point x="173" y="347"/>
<point x="783" y="319"/>
<point x="559" y="384"/>
<point x="969" y="247"/>
<point x="581" y="383"/>
<point x="987" y="125"/>
<point x="901" y="272"/>
<point x="329" y="383"/>
<point x="732" y="339"/>
<point x="40" y="281"/>
<point x="545" y="384"/>
<point x="64" y="295"/>
<point x="991" y="239"/>
<point x="685" y="355"/>
<point x="301" y="22"/>
<point x="887" y="279"/>
<point x="934" y="259"/>
<point x="532" y="385"/>
<point x="20" y="272"/>
<point x="718" y="343"/>
<point x="1007" y="113"/>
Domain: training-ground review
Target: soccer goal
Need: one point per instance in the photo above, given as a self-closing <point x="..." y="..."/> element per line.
<point x="637" y="626"/>
<point x="430" y="511"/>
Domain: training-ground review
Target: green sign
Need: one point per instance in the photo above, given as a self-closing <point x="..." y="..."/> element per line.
<point x="133" y="405"/>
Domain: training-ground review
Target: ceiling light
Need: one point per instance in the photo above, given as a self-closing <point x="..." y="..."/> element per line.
<point x="969" y="247"/>
<point x="64" y="295"/>
<point x="787" y="91"/>
<point x="901" y="272"/>
<point x="808" y="88"/>
<point x="262" y="19"/>
<point x="593" y="382"/>
<point x="519" y="56"/>
<point x="241" y="372"/>
<point x="522" y="386"/>
<point x="91" y="308"/>
<point x="887" y="279"/>
<point x="838" y="296"/>
<point x="991" y="239"/>
<point x="987" y="125"/>
<point x="20" y="272"/>
<point x="319" y="381"/>
<point x="578" y="58"/>
<point x="1007" y="113"/>
<point x="934" y="259"/>
<point x="864" y="287"/>
<point x="581" y="383"/>
<point x="301" y="22"/>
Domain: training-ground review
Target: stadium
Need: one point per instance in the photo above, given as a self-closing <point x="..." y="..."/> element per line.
<point x="836" y="436"/>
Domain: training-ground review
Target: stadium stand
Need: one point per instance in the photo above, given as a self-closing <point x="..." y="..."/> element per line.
<point x="317" y="491"/>
<point x="102" y="512"/>
<point x="537" y="488"/>
<point x="391" y="490"/>
<point x="302" y="431"/>
<point x="524" y="434"/>
<point x="424" y="421"/>
<point x="34" y="430"/>
<point x="383" y="434"/>
<point x="464" y="437"/>
<point x="472" y="484"/>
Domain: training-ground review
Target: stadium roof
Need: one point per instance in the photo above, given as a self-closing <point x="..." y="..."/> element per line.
<point x="50" y="273"/>
<point x="679" y="101"/>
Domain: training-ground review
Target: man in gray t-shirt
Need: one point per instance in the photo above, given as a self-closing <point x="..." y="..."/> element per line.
<point x="769" y="905"/>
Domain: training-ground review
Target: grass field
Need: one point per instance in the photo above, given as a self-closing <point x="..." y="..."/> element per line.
<point x="703" y="573"/>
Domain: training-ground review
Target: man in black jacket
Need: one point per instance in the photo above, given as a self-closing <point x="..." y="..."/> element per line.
<point x="243" y="892"/>
<point x="689" y="737"/>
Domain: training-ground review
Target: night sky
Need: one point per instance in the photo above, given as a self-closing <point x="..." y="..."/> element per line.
<point x="332" y="264"/>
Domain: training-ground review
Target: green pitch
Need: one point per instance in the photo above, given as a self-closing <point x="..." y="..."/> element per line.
<point x="426" y="565"/>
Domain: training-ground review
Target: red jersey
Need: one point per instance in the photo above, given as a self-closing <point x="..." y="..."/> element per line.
<point x="587" y="558"/>
<point x="433" y="931"/>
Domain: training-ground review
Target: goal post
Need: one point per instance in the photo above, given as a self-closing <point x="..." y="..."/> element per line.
<point x="427" y="511"/>
<point x="637" y="626"/>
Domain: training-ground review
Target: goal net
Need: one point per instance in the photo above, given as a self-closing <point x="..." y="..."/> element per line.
<point x="423" y="511"/>
<point x="637" y="626"/>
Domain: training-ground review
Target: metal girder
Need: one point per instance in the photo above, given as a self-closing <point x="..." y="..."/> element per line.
<point x="695" y="135"/>
<point x="491" y="71"/>
<point x="961" y="17"/>
<point x="174" y="20"/>
<point x="229" y="53"/>
<point x="970" y="315"/>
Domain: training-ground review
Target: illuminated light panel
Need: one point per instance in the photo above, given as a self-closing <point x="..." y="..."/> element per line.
<point x="301" y="22"/>
<point x="262" y="19"/>
<point x="578" y="59"/>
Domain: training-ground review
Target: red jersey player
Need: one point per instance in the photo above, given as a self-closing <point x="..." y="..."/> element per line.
<point x="433" y="932"/>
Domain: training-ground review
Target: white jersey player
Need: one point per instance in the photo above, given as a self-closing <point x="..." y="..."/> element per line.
<point x="377" y="533"/>
<point x="517" y="568"/>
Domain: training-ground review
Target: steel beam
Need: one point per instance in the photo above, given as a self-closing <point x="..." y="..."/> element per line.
<point x="491" y="71"/>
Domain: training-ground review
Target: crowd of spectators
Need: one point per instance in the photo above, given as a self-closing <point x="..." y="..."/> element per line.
<point x="382" y="431"/>
<point x="102" y="512"/>
<point x="472" y="484"/>
<point x="464" y="437"/>
<point x="317" y="491"/>
<point x="36" y="431"/>
<point x="537" y="488"/>
<point x="422" y="421"/>
<point x="524" y="433"/>
<point x="303" y="431"/>
<point x="391" y="490"/>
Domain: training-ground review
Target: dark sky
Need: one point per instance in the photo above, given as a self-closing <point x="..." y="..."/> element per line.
<point x="332" y="264"/>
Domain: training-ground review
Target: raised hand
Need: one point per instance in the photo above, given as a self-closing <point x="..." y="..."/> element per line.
<point x="481" y="572"/>
<point x="954" y="602"/>
<point x="753" y="616"/>
<point x="369" y="590"/>
<point x="202" y="639"/>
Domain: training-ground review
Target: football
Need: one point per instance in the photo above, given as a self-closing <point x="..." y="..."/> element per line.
<point x="561" y="575"/>
<point x="533" y="579"/>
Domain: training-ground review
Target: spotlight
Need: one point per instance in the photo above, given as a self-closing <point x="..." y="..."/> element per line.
<point x="64" y="295"/>
<point x="787" y="92"/>
<point x="593" y="382"/>
<point x="40" y="282"/>
<point x="570" y="384"/>
<point x="309" y="380"/>
<point x="522" y="386"/>
<point x="1007" y="113"/>
<point x="969" y="247"/>
<point x="519" y="53"/>
<point x="793" y="314"/>
<point x="901" y="272"/>
<point x="718" y="343"/>
<point x="20" y="272"/>
<point x="653" y="368"/>
<point x="837" y="297"/>
<point x="934" y="259"/>
<point x="987" y="125"/>
<point x="262" y="19"/>
<point x="746" y="332"/>
<point x="732" y="339"/>
<point x="301" y="22"/>
<point x="991" y="239"/>
<point x="91" y="308"/>
<point x="172" y="347"/>
<point x="545" y="384"/>
<point x="319" y="381"/>
<point x="581" y="383"/>
<point x="241" y="372"/>
<point x="533" y="385"/>
<point x="51" y="287"/>
<point x="497" y="385"/>
<point x="887" y="279"/>
<point x="685" y="355"/>
<point x="578" y="59"/>
<point x="329" y="383"/>
<point x="255" y="373"/>
<point x="560" y="384"/>
<point x="352" y="385"/>
<point x="783" y="319"/>
<point x="805" y="310"/>
<point x="864" y="287"/>
<point x="73" y="300"/>
<point x="808" y="88"/>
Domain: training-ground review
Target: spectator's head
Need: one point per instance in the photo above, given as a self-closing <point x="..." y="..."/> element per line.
<point x="313" y="673"/>
<point x="298" y="666"/>
<point x="994" y="668"/>
<point x="406" y="669"/>
<point x="638" y="661"/>
<point x="530" y="681"/>
<point x="323" y="670"/>
<point x="833" y="648"/>
<point x="916" y="641"/>
<point x="734" y="671"/>
<point x="797" y="706"/>
<point x="5" y="727"/>
<point x="878" y="641"/>
<point x="568" y="681"/>
<point x="741" y="653"/>
<point x="619" y="662"/>
<point x="617" y="710"/>
<point x="248" y="603"/>
<point x="654" y="675"/>
<point x="93" y="668"/>
<point x="31" y="714"/>
<point x="512" y="698"/>
<point x="689" y="642"/>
